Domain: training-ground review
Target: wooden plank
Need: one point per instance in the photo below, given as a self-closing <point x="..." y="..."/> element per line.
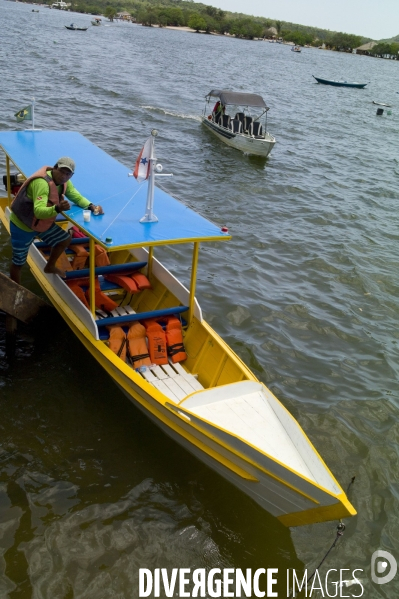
<point x="184" y="384"/>
<point x="174" y="389"/>
<point x="196" y="385"/>
<point x="159" y="372"/>
<point x="19" y="302"/>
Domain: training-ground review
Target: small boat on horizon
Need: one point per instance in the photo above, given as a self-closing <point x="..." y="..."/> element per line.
<point x="245" y="128"/>
<point x="96" y="22"/>
<point x="296" y="49"/>
<point x="340" y="83"/>
<point x="73" y="27"/>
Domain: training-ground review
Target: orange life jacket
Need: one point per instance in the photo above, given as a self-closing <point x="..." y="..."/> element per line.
<point x="74" y="286"/>
<point x="123" y="281"/>
<point x="79" y="260"/>
<point x="137" y="347"/>
<point x="174" y="340"/>
<point x="141" y="280"/>
<point x="102" y="301"/>
<point x="101" y="258"/>
<point x="156" y="342"/>
<point x="23" y="206"/>
<point x="117" y="341"/>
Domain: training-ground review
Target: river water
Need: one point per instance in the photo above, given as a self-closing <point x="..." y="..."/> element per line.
<point x="306" y="293"/>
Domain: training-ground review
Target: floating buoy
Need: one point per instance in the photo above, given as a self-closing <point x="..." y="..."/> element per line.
<point x="380" y="111"/>
<point x="224" y="230"/>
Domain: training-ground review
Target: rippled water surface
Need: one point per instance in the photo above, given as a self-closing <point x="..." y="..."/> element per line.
<point x="306" y="293"/>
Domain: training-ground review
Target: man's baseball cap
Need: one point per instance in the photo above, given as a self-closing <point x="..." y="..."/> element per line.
<point x="66" y="162"/>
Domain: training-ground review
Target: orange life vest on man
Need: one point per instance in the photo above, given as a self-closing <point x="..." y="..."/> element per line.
<point x="23" y="206"/>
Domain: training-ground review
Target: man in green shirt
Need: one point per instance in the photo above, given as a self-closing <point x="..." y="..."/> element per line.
<point x="34" y="210"/>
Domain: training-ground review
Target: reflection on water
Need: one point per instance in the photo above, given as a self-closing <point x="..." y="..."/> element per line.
<point x="306" y="293"/>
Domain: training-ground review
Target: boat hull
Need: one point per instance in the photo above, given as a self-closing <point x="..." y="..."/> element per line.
<point x="293" y="499"/>
<point x="244" y="143"/>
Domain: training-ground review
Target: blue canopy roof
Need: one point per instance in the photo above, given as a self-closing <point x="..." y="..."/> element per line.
<point x="103" y="180"/>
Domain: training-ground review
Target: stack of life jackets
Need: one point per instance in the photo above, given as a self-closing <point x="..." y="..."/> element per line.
<point x="130" y="345"/>
<point x="82" y="254"/>
<point x="162" y="344"/>
<point x="165" y="343"/>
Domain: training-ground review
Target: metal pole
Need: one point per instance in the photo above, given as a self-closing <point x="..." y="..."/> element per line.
<point x="92" y="275"/>
<point x="193" y="282"/>
<point x="149" y="216"/>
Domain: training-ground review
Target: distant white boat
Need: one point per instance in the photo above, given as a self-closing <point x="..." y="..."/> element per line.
<point x="60" y="5"/>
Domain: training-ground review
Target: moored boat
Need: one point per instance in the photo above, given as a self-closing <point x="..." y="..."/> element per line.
<point x="340" y="83"/>
<point x="73" y="27"/>
<point x="240" y="121"/>
<point x="204" y="396"/>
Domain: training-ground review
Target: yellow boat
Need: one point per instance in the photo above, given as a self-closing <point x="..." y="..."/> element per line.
<point x="211" y="403"/>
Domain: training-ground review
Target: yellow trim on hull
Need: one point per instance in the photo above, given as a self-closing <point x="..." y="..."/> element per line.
<point x="342" y="509"/>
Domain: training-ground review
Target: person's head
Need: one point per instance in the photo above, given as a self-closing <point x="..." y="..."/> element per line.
<point x="63" y="170"/>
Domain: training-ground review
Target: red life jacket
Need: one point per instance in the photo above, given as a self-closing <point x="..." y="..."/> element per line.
<point x="23" y="206"/>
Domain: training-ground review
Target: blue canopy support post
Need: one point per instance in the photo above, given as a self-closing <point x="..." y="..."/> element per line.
<point x="92" y="262"/>
<point x="193" y="282"/>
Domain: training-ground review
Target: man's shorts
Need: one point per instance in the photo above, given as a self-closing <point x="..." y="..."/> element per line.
<point x="21" y="240"/>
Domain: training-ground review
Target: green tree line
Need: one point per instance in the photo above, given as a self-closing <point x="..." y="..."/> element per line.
<point x="203" y="17"/>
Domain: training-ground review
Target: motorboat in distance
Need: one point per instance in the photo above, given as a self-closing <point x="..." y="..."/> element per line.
<point x="340" y="83"/>
<point x="240" y="121"/>
<point x="73" y="27"/>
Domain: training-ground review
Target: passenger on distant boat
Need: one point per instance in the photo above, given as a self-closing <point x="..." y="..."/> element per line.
<point x="34" y="210"/>
<point x="218" y="109"/>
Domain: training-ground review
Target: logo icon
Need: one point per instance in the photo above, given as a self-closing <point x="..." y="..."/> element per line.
<point x="380" y="560"/>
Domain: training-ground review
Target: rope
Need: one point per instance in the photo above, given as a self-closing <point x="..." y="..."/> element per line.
<point x="340" y="532"/>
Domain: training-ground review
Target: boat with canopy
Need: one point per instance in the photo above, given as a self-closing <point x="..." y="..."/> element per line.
<point x="240" y="122"/>
<point x="200" y="393"/>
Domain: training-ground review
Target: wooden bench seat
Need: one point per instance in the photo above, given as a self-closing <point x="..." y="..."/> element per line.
<point x="172" y="380"/>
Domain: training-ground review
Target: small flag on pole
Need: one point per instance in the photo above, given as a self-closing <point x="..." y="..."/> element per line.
<point x="25" y="114"/>
<point x="142" y="167"/>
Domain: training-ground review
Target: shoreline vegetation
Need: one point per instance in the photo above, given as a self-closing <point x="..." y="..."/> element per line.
<point x="188" y="15"/>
